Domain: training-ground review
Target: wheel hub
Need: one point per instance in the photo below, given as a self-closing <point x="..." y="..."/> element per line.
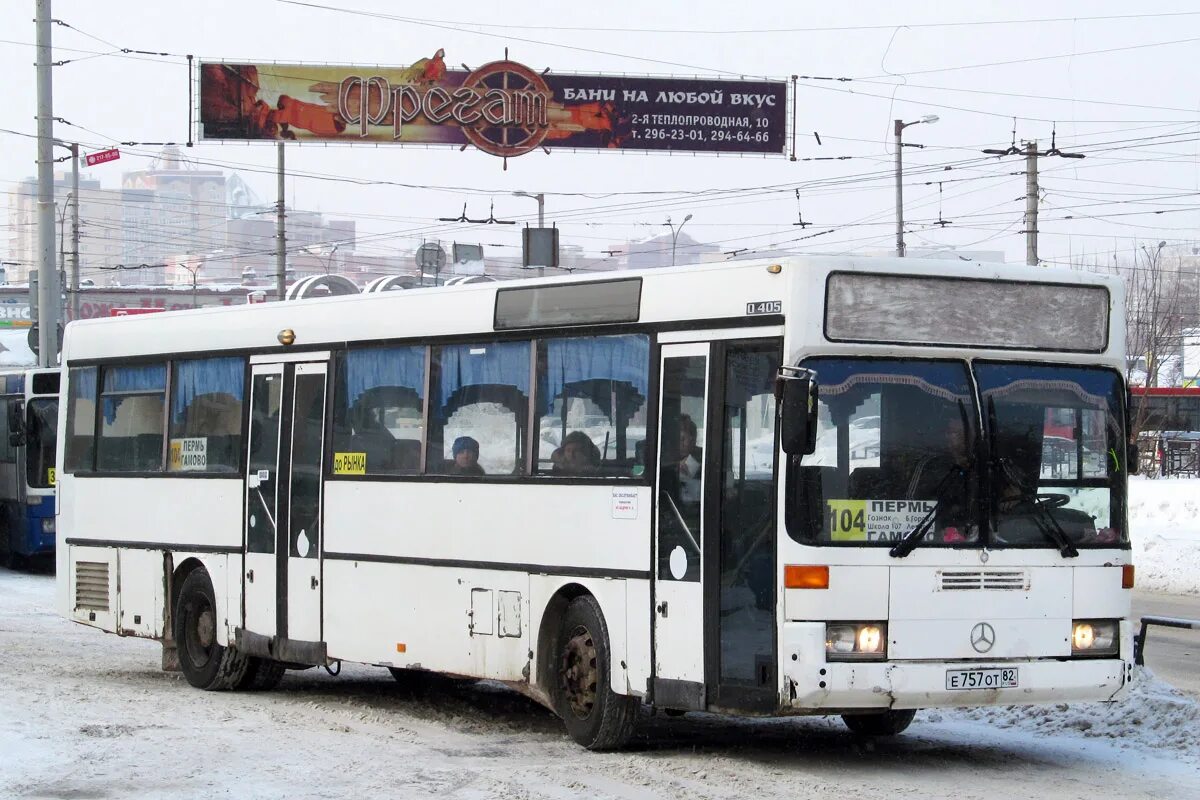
<point x="578" y="674"/>
<point x="206" y="628"/>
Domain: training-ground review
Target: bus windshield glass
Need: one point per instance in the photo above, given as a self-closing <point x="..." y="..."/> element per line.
<point x="1056" y="454"/>
<point x="895" y="444"/>
<point x="41" y="441"/>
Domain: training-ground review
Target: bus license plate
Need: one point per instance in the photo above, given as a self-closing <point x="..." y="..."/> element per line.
<point x="981" y="678"/>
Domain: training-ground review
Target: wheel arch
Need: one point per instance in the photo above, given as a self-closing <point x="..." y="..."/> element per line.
<point x="610" y="595"/>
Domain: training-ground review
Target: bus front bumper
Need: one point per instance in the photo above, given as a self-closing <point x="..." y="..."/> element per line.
<point x="923" y="684"/>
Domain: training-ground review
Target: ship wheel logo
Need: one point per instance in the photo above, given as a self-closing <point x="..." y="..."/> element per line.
<point x="524" y="96"/>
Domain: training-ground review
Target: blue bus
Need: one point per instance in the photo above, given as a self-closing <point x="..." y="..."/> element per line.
<point x="29" y="402"/>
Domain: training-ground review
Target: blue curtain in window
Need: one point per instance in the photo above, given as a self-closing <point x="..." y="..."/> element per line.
<point x="624" y="359"/>
<point x="501" y="364"/>
<point x="384" y="366"/>
<point x="150" y="378"/>
<point x="83" y="383"/>
<point x="205" y="376"/>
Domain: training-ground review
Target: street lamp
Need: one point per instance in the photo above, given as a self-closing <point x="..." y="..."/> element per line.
<point x="195" y="273"/>
<point x="313" y="250"/>
<point x="929" y="119"/>
<point x="541" y="201"/>
<point x="675" y="234"/>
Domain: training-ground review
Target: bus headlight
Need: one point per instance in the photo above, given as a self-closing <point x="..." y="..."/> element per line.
<point x="855" y="641"/>
<point x="47" y="524"/>
<point x="1092" y="637"/>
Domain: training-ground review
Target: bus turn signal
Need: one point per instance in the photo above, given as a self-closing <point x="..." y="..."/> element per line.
<point x="1127" y="576"/>
<point x="805" y="576"/>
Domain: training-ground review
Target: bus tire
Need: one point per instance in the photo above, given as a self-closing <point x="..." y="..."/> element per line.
<point x="261" y="675"/>
<point x="879" y="723"/>
<point x="595" y="716"/>
<point x="206" y="664"/>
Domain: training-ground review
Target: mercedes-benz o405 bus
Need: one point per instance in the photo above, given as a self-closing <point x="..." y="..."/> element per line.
<point x="805" y="486"/>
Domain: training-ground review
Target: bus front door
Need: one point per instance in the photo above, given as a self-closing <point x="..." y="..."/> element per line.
<point x="679" y="534"/>
<point x="282" y="594"/>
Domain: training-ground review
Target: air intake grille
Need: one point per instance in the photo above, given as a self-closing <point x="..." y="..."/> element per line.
<point x="964" y="580"/>
<point x="91" y="585"/>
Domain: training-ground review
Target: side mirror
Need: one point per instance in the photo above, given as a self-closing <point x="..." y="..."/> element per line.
<point x="796" y="410"/>
<point x="1133" y="458"/>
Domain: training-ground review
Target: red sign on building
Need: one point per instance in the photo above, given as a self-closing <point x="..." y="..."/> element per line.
<point x="101" y="157"/>
<point x="129" y="312"/>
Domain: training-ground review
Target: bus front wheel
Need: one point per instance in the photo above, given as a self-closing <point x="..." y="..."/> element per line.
<point x="879" y="723"/>
<point x="595" y="716"/>
<point x="205" y="664"/>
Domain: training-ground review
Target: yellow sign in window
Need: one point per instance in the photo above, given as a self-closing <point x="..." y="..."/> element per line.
<point x="847" y="520"/>
<point x="50" y="476"/>
<point x="349" y="463"/>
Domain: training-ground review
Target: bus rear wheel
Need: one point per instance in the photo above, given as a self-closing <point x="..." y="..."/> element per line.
<point x="204" y="662"/>
<point x="879" y="723"/>
<point x="262" y="674"/>
<point x="595" y="716"/>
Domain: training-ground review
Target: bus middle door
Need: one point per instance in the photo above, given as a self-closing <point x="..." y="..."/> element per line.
<point x="282" y="590"/>
<point x="679" y="535"/>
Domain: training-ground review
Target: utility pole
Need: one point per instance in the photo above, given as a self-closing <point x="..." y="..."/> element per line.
<point x="47" y="291"/>
<point x="281" y="237"/>
<point x="1031" y="203"/>
<point x="899" y="127"/>
<point x="1031" y="154"/>
<point x="75" y="232"/>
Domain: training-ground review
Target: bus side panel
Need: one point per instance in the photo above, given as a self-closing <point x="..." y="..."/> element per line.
<point x="462" y="621"/>
<point x="171" y="513"/>
<point x="637" y="636"/>
<point x="93" y="587"/>
<point x="140" y="604"/>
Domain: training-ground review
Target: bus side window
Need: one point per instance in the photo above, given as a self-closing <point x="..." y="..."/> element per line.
<point x="81" y="420"/>
<point x="132" y="402"/>
<point x="480" y="392"/>
<point x="206" y="415"/>
<point x="379" y="409"/>
<point x="594" y="386"/>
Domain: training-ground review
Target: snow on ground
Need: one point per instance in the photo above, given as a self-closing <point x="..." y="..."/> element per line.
<point x="85" y="714"/>
<point x="1164" y="526"/>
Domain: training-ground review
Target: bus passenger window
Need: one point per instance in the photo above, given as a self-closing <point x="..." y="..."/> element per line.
<point x="132" y="402"/>
<point x="379" y="409"/>
<point x="206" y="415"/>
<point x="81" y="420"/>
<point x="592" y="405"/>
<point x="481" y="392"/>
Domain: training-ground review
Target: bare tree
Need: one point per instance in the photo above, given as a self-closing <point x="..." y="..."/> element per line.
<point x="1153" y="318"/>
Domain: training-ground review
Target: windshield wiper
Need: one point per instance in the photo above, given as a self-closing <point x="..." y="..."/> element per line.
<point x="910" y="540"/>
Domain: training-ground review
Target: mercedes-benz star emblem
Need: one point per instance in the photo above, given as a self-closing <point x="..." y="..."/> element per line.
<point x="983" y="636"/>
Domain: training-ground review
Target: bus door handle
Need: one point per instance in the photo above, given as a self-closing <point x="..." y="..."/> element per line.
<point x="250" y="575"/>
<point x="662" y="608"/>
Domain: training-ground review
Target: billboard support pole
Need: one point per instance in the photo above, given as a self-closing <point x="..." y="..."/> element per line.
<point x="48" y="299"/>
<point x="75" y="231"/>
<point x="280" y="236"/>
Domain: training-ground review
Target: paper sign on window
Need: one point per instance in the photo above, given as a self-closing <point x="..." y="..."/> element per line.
<point x="349" y="463"/>
<point x="188" y="455"/>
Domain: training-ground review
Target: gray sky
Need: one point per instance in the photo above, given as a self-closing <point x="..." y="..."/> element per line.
<point x="1142" y="141"/>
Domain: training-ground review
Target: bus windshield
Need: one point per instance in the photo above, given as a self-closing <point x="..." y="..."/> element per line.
<point x="1056" y="454"/>
<point x="897" y="450"/>
<point x="895" y="444"/>
<point x="41" y="441"/>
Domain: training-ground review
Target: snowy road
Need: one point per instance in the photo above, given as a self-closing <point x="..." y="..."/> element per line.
<point x="1173" y="654"/>
<point x="85" y="714"/>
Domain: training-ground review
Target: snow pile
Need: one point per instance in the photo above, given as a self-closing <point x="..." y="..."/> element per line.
<point x="1164" y="526"/>
<point x="1155" y="716"/>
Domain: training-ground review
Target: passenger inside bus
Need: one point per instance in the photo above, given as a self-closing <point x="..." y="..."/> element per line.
<point x="578" y="455"/>
<point x="690" y="459"/>
<point x="466" y="457"/>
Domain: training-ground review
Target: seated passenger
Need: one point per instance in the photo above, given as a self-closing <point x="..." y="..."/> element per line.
<point x="578" y="455"/>
<point x="466" y="457"/>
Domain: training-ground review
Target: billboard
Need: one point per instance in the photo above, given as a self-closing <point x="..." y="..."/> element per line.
<point x="502" y="108"/>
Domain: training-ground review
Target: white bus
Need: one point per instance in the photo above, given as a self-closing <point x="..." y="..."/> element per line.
<point x="806" y="486"/>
